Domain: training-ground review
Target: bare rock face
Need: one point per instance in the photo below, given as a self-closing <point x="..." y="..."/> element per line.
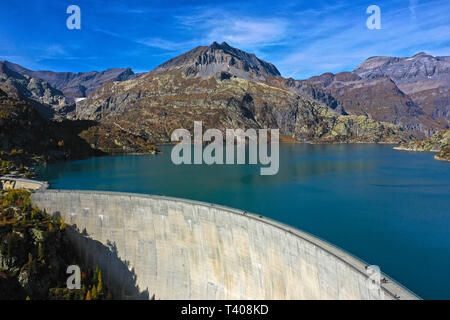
<point x="379" y="99"/>
<point x="48" y="101"/>
<point x="76" y="85"/>
<point x="413" y="93"/>
<point x="424" y="78"/>
<point x="206" y="61"/>
<point x="418" y="67"/>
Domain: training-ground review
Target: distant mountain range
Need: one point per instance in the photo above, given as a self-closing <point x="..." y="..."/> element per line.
<point x="75" y="85"/>
<point x="385" y="99"/>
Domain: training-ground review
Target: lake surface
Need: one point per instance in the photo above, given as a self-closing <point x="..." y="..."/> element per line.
<point x="390" y="208"/>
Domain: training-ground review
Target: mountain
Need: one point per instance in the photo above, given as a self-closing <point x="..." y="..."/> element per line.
<point x="412" y="93"/>
<point x="423" y="77"/>
<point x="379" y="98"/>
<point x="48" y="101"/>
<point x="28" y="139"/>
<point x="76" y="85"/>
<point x="385" y="99"/>
<point x="225" y="88"/>
<point x="207" y="61"/>
<point x="419" y="67"/>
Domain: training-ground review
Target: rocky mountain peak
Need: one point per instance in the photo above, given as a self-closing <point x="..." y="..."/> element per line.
<point x="206" y="61"/>
<point x="420" y="66"/>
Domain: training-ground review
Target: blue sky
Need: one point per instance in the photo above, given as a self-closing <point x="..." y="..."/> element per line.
<point x="302" y="38"/>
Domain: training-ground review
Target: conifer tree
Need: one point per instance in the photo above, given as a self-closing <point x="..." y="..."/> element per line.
<point x="96" y="275"/>
<point x="94" y="293"/>
<point x="62" y="225"/>
<point x="100" y="284"/>
<point x="41" y="253"/>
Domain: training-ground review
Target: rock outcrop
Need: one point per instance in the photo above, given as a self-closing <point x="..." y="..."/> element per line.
<point x="439" y="143"/>
<point x="48" y="101"/>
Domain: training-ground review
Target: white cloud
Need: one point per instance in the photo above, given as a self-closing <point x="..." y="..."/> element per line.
<point x="236" y="29"/>
<point x="249" y="32"/>
<point x="412" y="7"/>
<point x="168" y="44"/>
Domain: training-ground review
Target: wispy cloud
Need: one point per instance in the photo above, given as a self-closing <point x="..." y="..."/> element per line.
<point x="236" y="28"/>
<point x="412" y="8"/>
<point x="55" y="50"/>
<point x="167" y="44"/>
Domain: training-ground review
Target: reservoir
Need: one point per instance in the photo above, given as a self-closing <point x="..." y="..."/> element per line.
<point x="391" y="208"/>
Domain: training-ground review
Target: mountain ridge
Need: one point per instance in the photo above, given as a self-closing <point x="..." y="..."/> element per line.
<point x="195" y="86"/>
<point x="200" y="81"/>
<point x="76" y="85"/>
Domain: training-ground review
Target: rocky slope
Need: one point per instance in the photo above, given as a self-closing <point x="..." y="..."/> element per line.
<point x="27" y="139"/>
<point x="423" y="77"/>
<point x="35" y="253"/>
<point x="380" y="99"/>
<point x="181" y="91"/>
<point x="410" y="92"/>
<point x="75" y="85"/>
<point x="439" y="143"/>
<point x="50" y="102"/>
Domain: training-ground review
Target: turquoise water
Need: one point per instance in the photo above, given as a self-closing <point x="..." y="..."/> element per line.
<point x="390" y="208"/>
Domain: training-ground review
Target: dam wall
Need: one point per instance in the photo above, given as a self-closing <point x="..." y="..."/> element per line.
<point x="19" y="183"/>
<point x="180" y="249"/>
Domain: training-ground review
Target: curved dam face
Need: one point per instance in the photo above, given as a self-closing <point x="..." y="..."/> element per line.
<point x="180" y="249"/>
<point x="18" y="183"/>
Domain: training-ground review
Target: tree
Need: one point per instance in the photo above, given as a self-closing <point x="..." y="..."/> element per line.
<point x="88" y="295"/>
<point x="94" y="293"/>
<point x="63" y="225"/>
<point x="34" y="213"/>
<point x="41" y="253"/>
<point x="96" y="271"/>
<point x="100" y="284"/>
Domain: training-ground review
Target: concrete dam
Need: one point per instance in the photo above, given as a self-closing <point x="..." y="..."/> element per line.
<point x="173" y="248"/>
